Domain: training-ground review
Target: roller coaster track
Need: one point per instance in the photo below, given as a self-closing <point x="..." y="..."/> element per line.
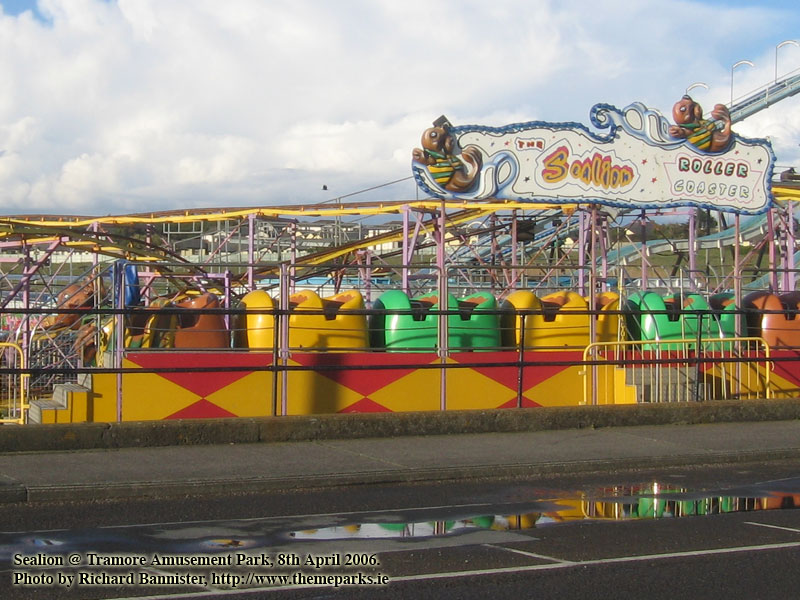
<point x="115" y="245"/>
<point x="41" y="229"/>
<point x="296" y="210"/>
<point x="765" y="97"/>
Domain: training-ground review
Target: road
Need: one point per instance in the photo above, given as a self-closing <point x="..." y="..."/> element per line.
<point x="671" y="533"/>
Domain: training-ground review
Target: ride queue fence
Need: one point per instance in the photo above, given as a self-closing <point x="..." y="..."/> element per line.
<point x="13" y="379"/>
<point x="677" y="370"/>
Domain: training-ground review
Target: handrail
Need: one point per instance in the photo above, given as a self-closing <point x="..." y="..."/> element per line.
<point x="13" y="395"/>
<point x="590" y="354"/>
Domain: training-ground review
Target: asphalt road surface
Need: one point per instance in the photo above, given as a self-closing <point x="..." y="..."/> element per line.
<point x="726" y="532"/>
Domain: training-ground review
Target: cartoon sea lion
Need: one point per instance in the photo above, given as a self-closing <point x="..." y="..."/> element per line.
<point x="712" y="135"/>
<point x="453" y="170"/>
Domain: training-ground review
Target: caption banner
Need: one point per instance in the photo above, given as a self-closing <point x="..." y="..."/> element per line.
<point x="230" y="570"/>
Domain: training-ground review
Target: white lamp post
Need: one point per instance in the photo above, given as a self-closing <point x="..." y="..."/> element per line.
<point x="741" y="62"/>
<point x="783" y="43"/>
<point x="694" y="85"/>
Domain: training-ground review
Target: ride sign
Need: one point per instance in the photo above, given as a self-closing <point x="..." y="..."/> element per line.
<point x="641" y="162"/>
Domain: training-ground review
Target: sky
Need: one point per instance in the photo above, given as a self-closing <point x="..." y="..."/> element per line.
<point x="120" y="106"/>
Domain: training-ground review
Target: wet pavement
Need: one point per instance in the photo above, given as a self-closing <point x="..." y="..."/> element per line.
<point x="406" y="528"/>
<point x="495" y="537"/>
<point x="533" y="514"/>
<point x="253" y="467"/>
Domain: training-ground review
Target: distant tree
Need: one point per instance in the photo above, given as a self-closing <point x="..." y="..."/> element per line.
<point x="706" y="223"/>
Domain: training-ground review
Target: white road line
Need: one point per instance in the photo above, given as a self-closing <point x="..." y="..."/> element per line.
<point x="531" y="554"/>
<point x="772" y="526"/>
<point x="599" y="561"/>
<point x="366" y="513"/>
<point x="482" y="572"/>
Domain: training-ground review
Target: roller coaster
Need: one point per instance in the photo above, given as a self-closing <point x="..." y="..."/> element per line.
<point x="446" y="302"/>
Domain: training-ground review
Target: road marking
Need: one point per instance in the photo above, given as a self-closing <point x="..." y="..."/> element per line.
<point x="531" y="554"/>
<point x="772" y="526"/>
<point x="599" y="561"/>
<point x="482" y="572"/>
<point x="494" y="508"/>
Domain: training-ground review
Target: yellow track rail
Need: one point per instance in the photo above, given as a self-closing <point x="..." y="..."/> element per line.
<point x="314" y="210"/>
<point x="37" y="229"/>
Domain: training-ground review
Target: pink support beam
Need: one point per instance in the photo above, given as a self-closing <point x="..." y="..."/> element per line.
<point x="773" y="272"/>
<point x="405" y="251"/>
<point x="251" y="236"/>
<point x="692" y="246"/>
<point x="514" y="259"/>
<point x="443" y="305"/>
<point x="582" y="247"/>
<point x="790" y="247"/>
<point x="29" y="271"/>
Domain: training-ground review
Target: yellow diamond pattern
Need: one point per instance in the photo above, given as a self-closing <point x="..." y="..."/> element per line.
<point x="311" y="393"/>
<point x="249" y="396"/>
<point x="562" y="389"/>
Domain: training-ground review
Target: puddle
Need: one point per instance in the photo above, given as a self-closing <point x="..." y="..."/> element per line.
<point x="644" y="501"/>
<point x="435" y="526"/>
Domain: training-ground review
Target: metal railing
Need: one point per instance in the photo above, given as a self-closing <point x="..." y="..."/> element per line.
<point x="676" y="370"/>
<point x="617" y="371"/>
<point x="13" y="397"/>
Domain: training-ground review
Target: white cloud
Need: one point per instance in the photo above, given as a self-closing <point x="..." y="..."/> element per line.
<point x="155" y="104"/>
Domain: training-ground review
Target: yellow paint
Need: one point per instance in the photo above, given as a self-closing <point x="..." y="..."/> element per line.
<point x="359" y="209"/>
<point x="781" y="387"/>
<point x="249" y="396"/>
<point x="145" y="396"/>
<point x="557" y="321"/>
<point x="326" y="323"/>
<point x="311" y="393"/>
<point x="465" y="389"/>
<point x="511" y="319"/>
<point x="419" y="390"/>
<point x="526" y="521"/>
<point x="569" y="327"/>
<point x="607" y="324"/>
<point x="737" y="380"/>
<point x="314" y="322"/>
<point x="149" y="396"/>
<point x="14" y="399"/>
<point x="75" y="411"/>
<point x="624" y="393"/>
<point x="255" y="329"/>
<point x="467" y="211"/>
<point x="562" y="389"/>
<point x="104" y="395"/>
<point x="468" y="389"/>
<point x="785" y="193"/>
<point x="554" y="322"/>
<point x="609" y="383"/>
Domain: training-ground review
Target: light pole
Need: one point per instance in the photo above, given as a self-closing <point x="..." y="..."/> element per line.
<point x="337" y="219"/>
<point x="783" y="43"/>
<point x="694" y="85"/>
<point x="741" y="62"/>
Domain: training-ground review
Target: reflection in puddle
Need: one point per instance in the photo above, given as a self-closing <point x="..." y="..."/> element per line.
<point x="222" y="544"/>
<point x="646" y="501"/>
<point x="659" y="500"/>
<point x="403" y="529"/>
